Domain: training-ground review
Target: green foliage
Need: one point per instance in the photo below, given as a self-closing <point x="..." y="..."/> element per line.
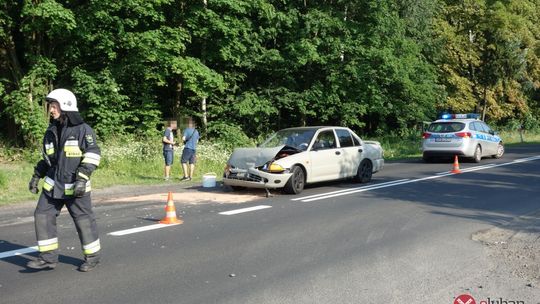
<point x="378" y="66"/>
<point x="49" y="17"/>
<point x="3" y="181"/>
<point x="106" y="108"/>
<point x="128" y="147"/>
<point x="26" y="104"/>
<point x="487" y="64"/>
<point x="229" y="136"/>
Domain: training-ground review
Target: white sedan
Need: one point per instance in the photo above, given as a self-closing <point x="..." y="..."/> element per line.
<point x="294" y="157"/>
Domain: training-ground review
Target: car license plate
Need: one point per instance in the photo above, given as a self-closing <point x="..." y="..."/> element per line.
<point x="241" y="174"/>
<point x="442" y="139"/>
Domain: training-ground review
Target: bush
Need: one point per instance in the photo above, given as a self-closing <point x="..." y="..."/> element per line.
<point x="127" y="147"/>
<point x="229" y="136"/>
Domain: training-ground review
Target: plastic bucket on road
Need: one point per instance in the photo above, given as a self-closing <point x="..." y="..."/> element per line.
<point x="209" y="180"/>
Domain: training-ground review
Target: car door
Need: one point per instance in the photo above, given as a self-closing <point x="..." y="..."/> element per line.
<point x="352" y="153"/>
<point x="325" y="157"/>
<point x="486" y="139"/>
<point x="492" y="141"/>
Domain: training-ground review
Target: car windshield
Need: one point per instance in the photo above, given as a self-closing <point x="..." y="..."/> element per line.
<point x="296" y="138"/>
<point x="446" y="127"/>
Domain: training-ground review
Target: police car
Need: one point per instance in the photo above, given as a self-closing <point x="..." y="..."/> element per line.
<point x="464" y="135"/>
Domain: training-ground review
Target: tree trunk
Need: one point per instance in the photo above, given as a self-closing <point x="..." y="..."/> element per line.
<point x="204" y="115"/>
<point x="178" y="98"/>
<point x="14" y="65"/>
<point x="203" y="101"/>
<point x="484" y="106"/>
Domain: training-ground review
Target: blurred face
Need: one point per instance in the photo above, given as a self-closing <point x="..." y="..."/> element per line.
<point x="54" y="109"/>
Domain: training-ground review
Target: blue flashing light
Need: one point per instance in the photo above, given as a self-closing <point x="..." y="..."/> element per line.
<point x="460" y="116"/>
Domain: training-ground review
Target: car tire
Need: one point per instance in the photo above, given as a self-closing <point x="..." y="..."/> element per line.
<point x="296" y="182"/>
<point x="500" y="151"/>
<point x="477" y="156"/>
<point x="364" y="172"/>
<point x="427" y="159"/>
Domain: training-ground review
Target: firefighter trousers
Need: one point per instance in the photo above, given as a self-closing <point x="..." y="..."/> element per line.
<point x="80" y="209"/>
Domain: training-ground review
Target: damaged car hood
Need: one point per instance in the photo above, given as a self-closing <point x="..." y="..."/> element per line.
<point x="245" y="158"/>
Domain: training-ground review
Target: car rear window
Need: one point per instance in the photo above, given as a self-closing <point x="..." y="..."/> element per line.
<point x="446" y="127"/>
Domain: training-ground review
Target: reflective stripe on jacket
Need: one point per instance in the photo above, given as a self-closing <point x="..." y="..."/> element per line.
<point x="73" y="156"/>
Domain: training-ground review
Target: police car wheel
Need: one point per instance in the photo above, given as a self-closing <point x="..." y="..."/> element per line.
<point x="500" y="151"/>
<point x="477" y="157"/>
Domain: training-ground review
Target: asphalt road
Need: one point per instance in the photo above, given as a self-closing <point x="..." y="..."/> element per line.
<point x="403" y="238"/>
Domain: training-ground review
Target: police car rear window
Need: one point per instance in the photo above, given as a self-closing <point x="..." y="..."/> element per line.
<point x="446" y="127"/>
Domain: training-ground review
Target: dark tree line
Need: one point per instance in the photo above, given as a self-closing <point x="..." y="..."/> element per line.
<point x="253" y="66"/>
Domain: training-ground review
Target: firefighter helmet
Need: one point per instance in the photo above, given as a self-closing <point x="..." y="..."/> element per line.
<point x="66" y="99"/>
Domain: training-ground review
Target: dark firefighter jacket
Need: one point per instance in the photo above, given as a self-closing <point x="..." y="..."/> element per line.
<point x="69" y="157"/>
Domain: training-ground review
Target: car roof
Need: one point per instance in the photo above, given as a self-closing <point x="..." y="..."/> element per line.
<point x="314" y="128"/>
<point x="464" y="120"/>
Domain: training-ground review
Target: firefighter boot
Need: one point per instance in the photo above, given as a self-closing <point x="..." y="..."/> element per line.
<point x="40" y="263"/>
<point x="90" y="262"/>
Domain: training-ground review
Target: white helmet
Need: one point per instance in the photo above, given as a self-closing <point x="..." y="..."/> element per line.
<point x="66" y="99"/>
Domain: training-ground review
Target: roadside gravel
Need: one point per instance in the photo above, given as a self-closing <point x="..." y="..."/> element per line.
<point x="514" y="249"/>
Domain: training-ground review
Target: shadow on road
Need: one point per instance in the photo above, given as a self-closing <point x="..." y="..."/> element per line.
<point x="22" y="259"/>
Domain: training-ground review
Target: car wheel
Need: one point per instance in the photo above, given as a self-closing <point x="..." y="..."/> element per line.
<point x="296" y="182"/>
<point x="500" y="151"/>
<point x="477" y="157"/>
<point x="364" y="172"/>
<point x="427" y="159"/>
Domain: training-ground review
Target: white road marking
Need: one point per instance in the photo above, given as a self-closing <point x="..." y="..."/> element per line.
<point x="347" y="190"/>
<point x="19" y="251"/>
<point x="402" y="182"/>
<point x="237" y="211"/>
<point x="140" y="229"/>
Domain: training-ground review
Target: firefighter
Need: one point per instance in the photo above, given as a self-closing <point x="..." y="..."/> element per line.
<point x="70" y="155"/>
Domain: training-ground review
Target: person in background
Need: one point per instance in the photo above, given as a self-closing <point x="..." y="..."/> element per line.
<point x="70" y="156"/>
<point x="168" y="149"/>
<point x="190" y="138"/>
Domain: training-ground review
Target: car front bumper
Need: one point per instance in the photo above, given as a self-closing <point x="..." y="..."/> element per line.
<point x="254" y="178"/>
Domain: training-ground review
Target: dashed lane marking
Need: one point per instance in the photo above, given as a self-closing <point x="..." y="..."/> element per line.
<point x="16" y="252"/>
<point x="347" y="190"/>
<point x="140" y="229"/>
<point x="243" y="210"/>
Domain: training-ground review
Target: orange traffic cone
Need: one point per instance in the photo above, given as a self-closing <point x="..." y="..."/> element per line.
<point x="170" y="217"/>
<point x="455" y="168"/>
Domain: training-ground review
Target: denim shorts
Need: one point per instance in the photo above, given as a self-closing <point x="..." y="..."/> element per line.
<point x="169" y="157"/>
<point x="188" y="156"/>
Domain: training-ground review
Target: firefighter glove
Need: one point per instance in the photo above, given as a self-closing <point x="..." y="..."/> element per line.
<point x="33" y="184"/>
<point x="79" y="188"/>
